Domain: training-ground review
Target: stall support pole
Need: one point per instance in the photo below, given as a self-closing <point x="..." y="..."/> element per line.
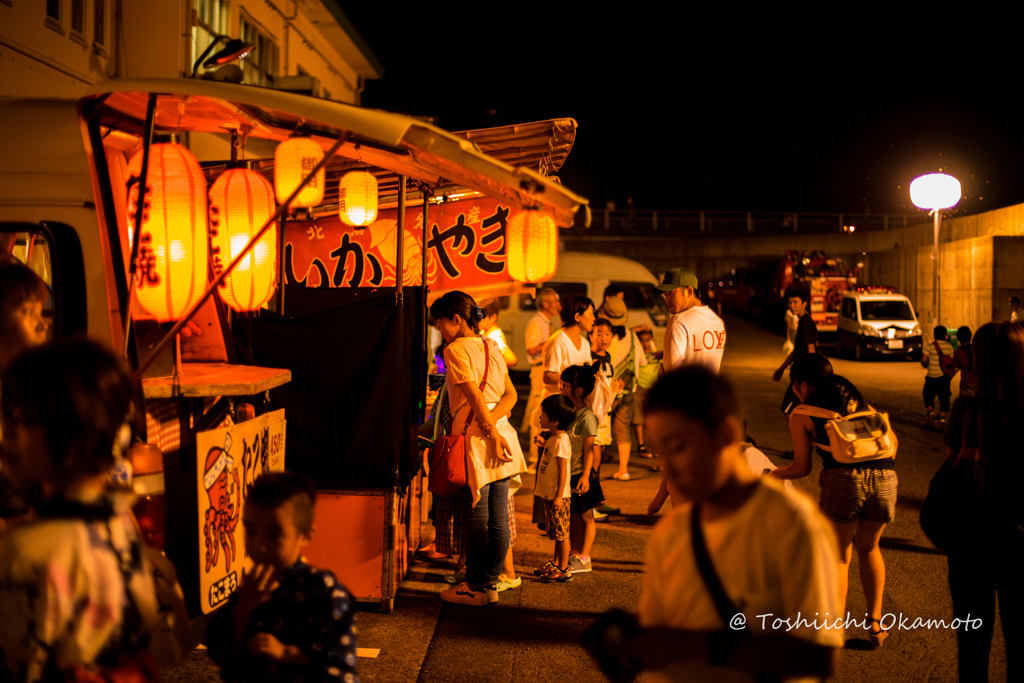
<point x="133" y="263"/>
<point x="400" y="243"/>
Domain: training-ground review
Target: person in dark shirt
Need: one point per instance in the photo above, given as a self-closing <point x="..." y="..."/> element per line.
<point x="806" y="342"/>
<point x="287" y="621"/>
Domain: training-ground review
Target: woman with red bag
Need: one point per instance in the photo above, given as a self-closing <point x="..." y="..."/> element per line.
<point x="481" y="397"/>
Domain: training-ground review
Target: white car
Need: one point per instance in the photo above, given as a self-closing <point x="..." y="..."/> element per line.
<point x="878" y="322"/>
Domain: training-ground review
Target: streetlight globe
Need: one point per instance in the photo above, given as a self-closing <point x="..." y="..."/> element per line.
<point x="935" y="191"/>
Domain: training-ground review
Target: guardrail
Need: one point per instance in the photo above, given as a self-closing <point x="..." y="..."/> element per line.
<point x="645" y="222"/>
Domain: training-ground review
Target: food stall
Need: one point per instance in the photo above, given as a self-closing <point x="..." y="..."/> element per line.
<point x="337" y="345"/>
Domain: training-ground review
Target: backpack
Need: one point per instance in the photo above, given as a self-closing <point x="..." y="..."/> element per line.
<point x="855" y="438"/>
<point x="945" y="362"/>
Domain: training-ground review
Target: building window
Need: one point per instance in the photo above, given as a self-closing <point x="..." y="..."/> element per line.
<point x="260" y="66"/>
<point x="99" y="20"/>
<point x="78" y="16"/>
<point x="211" y="20"/>
<point x="53" y="16"/>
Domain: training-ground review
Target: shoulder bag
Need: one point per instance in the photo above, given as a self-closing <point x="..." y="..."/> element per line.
<point x="855" y="438"/>
<point x="448" y="453"/>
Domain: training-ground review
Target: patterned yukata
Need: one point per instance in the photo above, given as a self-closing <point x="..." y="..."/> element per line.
<point x="76" y="594"/>
<point x="310" y="609"/>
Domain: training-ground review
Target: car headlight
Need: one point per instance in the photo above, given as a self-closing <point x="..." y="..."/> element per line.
<point x="869" y="331"/>
<point x="916" y="332"/>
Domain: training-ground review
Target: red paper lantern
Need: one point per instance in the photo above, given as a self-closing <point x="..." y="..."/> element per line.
<point x="241" y="202"/>
<point x="293" y="160"/>
<point x="357" y="198"/>
<point x="531" y="246"/>
<point x="173" y="252"/>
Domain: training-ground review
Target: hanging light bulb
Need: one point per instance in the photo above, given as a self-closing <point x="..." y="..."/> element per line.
<point x="241" y="201"/>
<point x="357" y="198"/>
<point x="293" y="160"/>
<point x="531" y="246"/>
<point x="173" y="249"/>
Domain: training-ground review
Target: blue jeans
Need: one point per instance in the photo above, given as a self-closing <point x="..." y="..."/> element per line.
<point x="487" y="535"/>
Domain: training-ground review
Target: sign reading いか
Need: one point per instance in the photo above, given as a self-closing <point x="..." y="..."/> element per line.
<point x="465" y="248"/>
<point x="230" y="460"/>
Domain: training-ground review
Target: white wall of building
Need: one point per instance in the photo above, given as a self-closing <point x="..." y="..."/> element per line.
<point x="45" y="56"/>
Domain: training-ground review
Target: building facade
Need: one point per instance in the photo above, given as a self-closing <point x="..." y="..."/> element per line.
<point x="58" y="48"/>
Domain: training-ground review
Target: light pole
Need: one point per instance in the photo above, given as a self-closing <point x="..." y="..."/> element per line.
<point x="935" y="192"/>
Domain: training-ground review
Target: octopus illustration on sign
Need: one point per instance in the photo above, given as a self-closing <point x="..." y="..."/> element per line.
<point x="220" y="479"/>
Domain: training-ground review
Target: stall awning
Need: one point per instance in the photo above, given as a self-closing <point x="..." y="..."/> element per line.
<point x="392" y="143"/>
<point x="541" y="145"/>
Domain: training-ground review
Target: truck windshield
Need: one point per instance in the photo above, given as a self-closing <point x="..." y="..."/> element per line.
<point x="886" y="310"/>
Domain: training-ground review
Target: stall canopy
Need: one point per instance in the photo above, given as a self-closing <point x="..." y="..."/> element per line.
<point x="390" y="144"/>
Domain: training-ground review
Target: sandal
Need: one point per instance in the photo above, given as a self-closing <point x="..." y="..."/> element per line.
<point x="879" y="636"/>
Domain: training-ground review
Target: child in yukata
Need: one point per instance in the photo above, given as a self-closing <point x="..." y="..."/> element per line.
<point x="287" y="621"/>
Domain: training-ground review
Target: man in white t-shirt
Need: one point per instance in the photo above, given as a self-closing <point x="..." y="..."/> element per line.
<point x="694" y="335"/>
<point x="773" y="555"/>
<point x="538" y="331"/>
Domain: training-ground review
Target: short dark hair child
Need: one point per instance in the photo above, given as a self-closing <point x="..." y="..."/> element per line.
<point x="274" y="489"/>
<point x="287" y="620"/>
<point x="705" y="397"/>
<point x="559" y="410"/>
<point x="940" y="332"/>
<point x="963" y="335"/>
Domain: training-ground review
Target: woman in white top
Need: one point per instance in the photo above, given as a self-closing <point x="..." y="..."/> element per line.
<point x="478" y="383"/>
<point x="568" y="346"/>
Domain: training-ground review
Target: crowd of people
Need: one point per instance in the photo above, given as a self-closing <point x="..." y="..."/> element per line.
<point x="77" y="588"/>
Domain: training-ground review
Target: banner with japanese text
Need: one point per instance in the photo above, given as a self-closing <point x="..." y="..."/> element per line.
<point x="230" y="460"/>
<point x="465" y="248"/>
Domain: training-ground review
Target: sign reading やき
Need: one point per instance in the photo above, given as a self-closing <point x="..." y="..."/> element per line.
<point x="230" y="460"/>
<point x="465" y="248"/>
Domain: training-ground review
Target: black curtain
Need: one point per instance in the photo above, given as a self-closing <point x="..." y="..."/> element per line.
<point x="356" y="362"/>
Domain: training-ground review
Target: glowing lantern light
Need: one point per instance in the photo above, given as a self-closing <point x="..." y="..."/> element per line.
<point x="357" y="198"/>
<point x="293" y="160"/>
<point x="935" y="191"/>
<point x="173" y="249"/>
<point x="532" y="246"/>
<point x="241" y="201"/>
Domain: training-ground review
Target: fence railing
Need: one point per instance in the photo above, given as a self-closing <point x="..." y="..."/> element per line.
<point x="646" y="222"/>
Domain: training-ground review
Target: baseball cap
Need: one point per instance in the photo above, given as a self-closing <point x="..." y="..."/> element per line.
<point x="676" y="278"/>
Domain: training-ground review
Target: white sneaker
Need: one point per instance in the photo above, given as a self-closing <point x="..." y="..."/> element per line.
<point x="464" y="595"/>
<point x="505" y="583"/>
<point x="578" y="565"/>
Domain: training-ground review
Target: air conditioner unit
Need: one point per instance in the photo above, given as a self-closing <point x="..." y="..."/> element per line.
<point x="300" y="85"/>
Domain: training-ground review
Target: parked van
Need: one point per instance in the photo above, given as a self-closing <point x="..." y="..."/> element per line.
<point x="589" y="274"/>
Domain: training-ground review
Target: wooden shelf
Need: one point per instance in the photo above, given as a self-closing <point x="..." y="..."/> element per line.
<point x="215" y="379"/>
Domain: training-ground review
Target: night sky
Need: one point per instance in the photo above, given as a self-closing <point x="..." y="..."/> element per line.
<point x="705" y="111"/>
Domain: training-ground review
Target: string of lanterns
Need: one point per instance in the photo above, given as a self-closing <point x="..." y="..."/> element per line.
<point x="174" y="247"/>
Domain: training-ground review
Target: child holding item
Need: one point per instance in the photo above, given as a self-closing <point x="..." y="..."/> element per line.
<point x="287" y="620"/>
<point x="556" y="415"/>
<point x="577" y="382"/>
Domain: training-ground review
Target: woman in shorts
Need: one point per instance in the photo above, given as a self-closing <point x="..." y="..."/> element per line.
<point x="858" y="500"/>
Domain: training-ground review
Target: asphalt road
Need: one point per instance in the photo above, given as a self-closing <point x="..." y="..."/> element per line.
<point x="535" y="631"/>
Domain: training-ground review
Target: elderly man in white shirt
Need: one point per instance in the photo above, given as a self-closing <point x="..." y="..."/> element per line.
<point x="538" y="331"/>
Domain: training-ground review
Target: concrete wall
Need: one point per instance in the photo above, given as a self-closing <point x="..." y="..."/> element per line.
<point x="981" y="259"/>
